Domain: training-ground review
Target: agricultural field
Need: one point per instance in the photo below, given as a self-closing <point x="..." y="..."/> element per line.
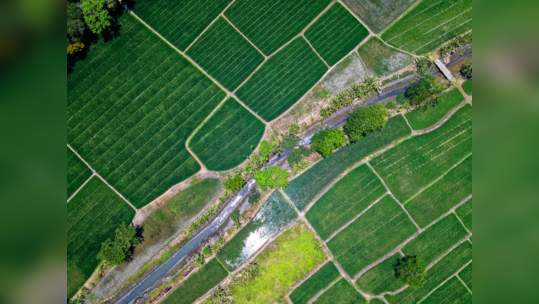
<point x="77" y="173"/>
<point x="225" y="140"/>
<point x="379" y="230"/>
<point x="466" y="275"/>
<point x="179" y="22"/>
<point x="467" y="86"/>
<point x="92" y="217"/>
<point x="132" y="104"/>
<point x="428" y="115"/>
<point x="376" y="301"/>
<point x="415" y="163"/>
<point x="276" y="214"/>
<point x="378" y="14"/>
<point x="198" y="283"/>
<point x="349" y="72"/>
<point x="271" y="24"/>
<point x="381" y="278"/>
<point x="464" y="212"/>
<point x="429" y="24"/>
<point x="381" y="60"/>
<point x="335" y="34"/>
<point x="282" y="80"/>
<point x="225" y="54"/>
<point x="305" y="187"/>
<point x="345" y="200"/>
<point x="453" y="291"/>
<point x="314" y="284"/>
<point x="343" y="292"/>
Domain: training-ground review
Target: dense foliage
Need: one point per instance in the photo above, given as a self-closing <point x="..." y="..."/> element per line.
<point x="266" y="149"/>
<point x="96" y="15"/>
<point x="115" y="252"/>
<point x="455" y="44"/>
<point x="328" y="140"/>
<point x="411" y="271"/>
<point x="235" y="216"/>
<point x="346" y="98"/>
<point x="420" y="91"/>
<point x="233" y="183"/>
<point x="297" y="155"/>
<point x="273" y="177"/>
<point x="289" y="142"/>
<point x="365" y="120"/>
<point x="207" y="251"/>
<point x="466" y="70"/>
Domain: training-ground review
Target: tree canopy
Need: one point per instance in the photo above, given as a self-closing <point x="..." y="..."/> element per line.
<point x="115" y="252"/>
<point x="328" y="140"/>
<point x="273" y="177"/>
<point x="233" y="183"/>
<point x="365" y="120"/>
<point x="411" y="271"/>
<point x="96" y="15"/>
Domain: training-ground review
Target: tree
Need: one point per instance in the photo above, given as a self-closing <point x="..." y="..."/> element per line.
<point x="289" y="142"/>
<point x="411" y="271"/>
<point x="115" y="252"/>
<point x="95" y="15"/>
<point x="297" y="155"/>
<point x="365" y="120"/>
<point x="266" y="149"/>
<point x="273" y="177"/>
<point x="235" y="216"/>
<point x="466" y="70"/>
<point x="328" y="140"/>
<point x="233" y="183"/>
<point x="207" y="251"/>
<point x="420" y="91"/>
<point x="76" y="28"/>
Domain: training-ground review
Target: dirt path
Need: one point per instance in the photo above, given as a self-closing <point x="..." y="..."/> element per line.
<point x="84" y="184"/>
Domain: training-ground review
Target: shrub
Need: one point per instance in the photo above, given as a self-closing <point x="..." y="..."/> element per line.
<point x="235" y="216"/>
<point x="328" y="140"/>
<point x="207" y="251"/>
<point x="115" y="252"/>
<point x="165" y="256"/>
<point x="199" y="260"/>
<point x="297" y="155"/>
<point x="266" y="149"/>
<point x="411" y="271"/>
<point x="233" y="183"/>
<point x="401" y="99"/>
<point x="365" y="120"/>
<point x="294" y="129"/>
<point x="391" y="105"/>
<point x="466" y="70"/>
<point x="253" y="199"/>
<point x="420" y="91"/>
<point x="273" y="177"/>
<point x="423" y="65"/>
<point x="289" y="142"/>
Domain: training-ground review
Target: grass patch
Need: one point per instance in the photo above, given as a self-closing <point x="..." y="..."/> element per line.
<point x="92" y="217"/>
<point x="378" y="14"/>
<point x="336" y="34"/>
<point x="225" y="54"/>
<point x="318" y="281"/>
<point x="416" y="162"/>
<point x="282" y="80"/>
<point x="466" y="275"/>
<point x="344" y="200"/>
<point x="428" y="115"/>
<point x="291" y="256"/>
<point x="77" y="173"/>
<point x="227" y="138"/>
<point x="464" y="212"/>
<point x="345" y="75"/>
<point x="382" y="60"/>
<point x="270" y="25"/>
<point x="198" y="283"/>
<point x="371" y="236"/>
<point x="381" y="278"/>
<point x="305" y="187"/>
<point x="343" y="292"/>
<point x="453" y="291"/>
<point x="467" y="86"/>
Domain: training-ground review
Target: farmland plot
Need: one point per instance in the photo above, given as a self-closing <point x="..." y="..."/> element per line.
<point x="464" y="212"/>
<point x="467" y="86"/>
<point x="92" y="217"/>
<point x="314" y="284"/>
<point x="336" y="34"/>
<point x="225" y="54"/>
<point x="343" y="292"/>
<point x="427" y="115"/>
<point x="416" y="162"/>
<point x="347" y="198"/>
<point x="429" y="24"/>
<point x="77" y="173"/>
<point x="345" y="75"/>
<point x="225" y="140"/>
<point x="381" y="278"/>
<point x="282" y="80"/>
<point x="378" y="14"/>
<point x="382" y="60"/>
<point x="466" y="275"/>
<point x="271" y="24"/>
<point x="132" y="104"/>
<point x="371" y="236"/>
<point x="453" y="291"/>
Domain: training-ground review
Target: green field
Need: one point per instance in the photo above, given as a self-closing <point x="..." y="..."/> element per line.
<point x="282" y="80"/>
<point x="314" y="284"/>
<point x="132" y="104"/>
<point x="443" y="195"/>
<point x="378" y="231"/>
<point x="378" y="14"/>
<point x="376" y="301"/>
<point x="271" y="24"/>
<point x="77" y="173"/>
<point x="336" y="34"/>
<point x="381" y="278"/>
<point x="345" y="75"/>
<point x="464" y="212"/>
<point x="453" y="291"/>
<point x="416" y="162"/>
<point x="179" y="22"/>
<point x="225" y="54"/>
<point x="92" y="217"/>
<point x="344" y="200"/>
<point x="429" y="24"/>
<point x="225" y="140"/>
<point x="197" y="284"/>
<point x="442" y="270"/>
<point x="427" y="115"/>
<point x="343" y="292"/>
<point x="305" y="187"/>
<point x="466" y="275"/>
<point x="382" y="60"/>
<point x="467" y="86"/>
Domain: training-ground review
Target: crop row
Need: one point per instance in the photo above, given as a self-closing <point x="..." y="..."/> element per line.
<point x="342" y="292"/>
<point x="464" y="212"/>
<point x="314" y="284"/>
<point x="381" y="278"/>
<point x="429" y="114"/>
<point x="453" y="291"/>
<point x="77" y="173"/>
<point x="466" y="275"/>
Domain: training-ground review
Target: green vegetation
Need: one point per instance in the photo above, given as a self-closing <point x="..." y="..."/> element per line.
<point x="254" y="198"/>
<point x="296" y="156"/>
<point x="411" y="271"/>
<point x="114" y="252"/>
<point x="365" y="120"/>
<point x="335" y="34"/>
<point x="95" y="14"/>
<point x="467" y="86"/>
<point x="179" y="22"/>
<point x="235" y="216"/>
<point x="453" y="291"/>
<point x="464" y="212"/>
<point x="429" y="114"/>
<point x="306" y="186"/>
<point x="382" y="60"/>
<point x="342" y="77"/>
<point x="165" y="256"/>
<point x="429" y="24"/>
<point x="381" y="278"/>
<point x="456" y="44"/>
<point x="375" y="233"/>
<point x="347" y="98"/>
<point x="344" y="200"/>
<point x="376" y="301"/>
<point x="295" y="128"/>
<point x="327" y="140"/>
<point x="378" y="14"/>
<point x="273" y="177"/>
<point x="198" y="283"/>
<point x="225" y="54"/>
<point x="466" y="70"/>
<point x="207" y="251"/>
<point x="466" y="275"/>
<point x="233" y="183"/>
<point x="318" y="281"/>
<point x="92" y="217"/>
<point x="343" y="292"/>
<point x="422" y="90"/>
<point x="266" y="149"/>
<point x="284" y="78"/>
<point x="289" y="142"/>
<point x="77" y="173"/>
<point x="270" y="25"/>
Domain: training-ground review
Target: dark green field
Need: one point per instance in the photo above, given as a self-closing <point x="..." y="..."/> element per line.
<point x="197" y="284"/>
<point x="427" y="116"/>
<point x="343" y="292"/>
<point x="381" y="278"/>
<point x="378" y="231"/>
<point x="464" y="212"/>
<point x="225" y="54"/>
<point x="92" y="217"/>
<point x="466" y="275"/>
<point x="77" y="173"/>
<point x="271" y="24"/>
<point x="305" y="187"/>
<point x="376" y="301"/>
<point x="378" y="14"/>
<point x="467" y="87"/>
<point x="282" y="80"/>
<point x="314" y="284"/>
<point x="336" y="34"/>
<point x="225" y="140"/>
<point x="453" y="291"/>
<point x="416" y="162"/>
<point x="132" y="104"/>
<point x="344" y="200"/>
<point x="382" y="60"/>
<point x="179" y="22"/>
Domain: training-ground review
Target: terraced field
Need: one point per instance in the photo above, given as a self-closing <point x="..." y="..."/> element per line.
<point x="428" y="115"/>
<point x="341" y="293"/>
<point x="77" y="173"/>
<point x="314" y="284"/>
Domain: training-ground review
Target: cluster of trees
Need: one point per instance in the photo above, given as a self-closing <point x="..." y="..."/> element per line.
<point x="455" y="44"/>
<point x="346" y="98"/>
<point x="116" y="252"/>
<point x="411" y="271"/>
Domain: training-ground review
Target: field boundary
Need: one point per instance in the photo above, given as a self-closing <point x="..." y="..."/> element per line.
<point x="445" y="281"/>
<point x="315" y="51"/>
<point x="321" y="292"/>
<point x="83" y="184"/>
<point x="463" y="283"/>
<point x="245" y="37"/>
<point x="461" y="222"/>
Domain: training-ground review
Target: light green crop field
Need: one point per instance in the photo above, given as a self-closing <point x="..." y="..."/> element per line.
<point x="466" y="275"/>
<point x="77" y="173"/>
<point x="453" y="291"/>
<point x="225" y="140"/>
<point x="314" y="284"/>
<point x="467" y="86"/>
<point x="381" y="60"/>
<point x="343" y="292"/>
<point x="381" y="278"/>
<point x="427" y="115"/>
<point x="378" y="14"/>
<point x="335" y="34"/>
<point x="344" y="200"/>
<point x="464" y="212"/>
